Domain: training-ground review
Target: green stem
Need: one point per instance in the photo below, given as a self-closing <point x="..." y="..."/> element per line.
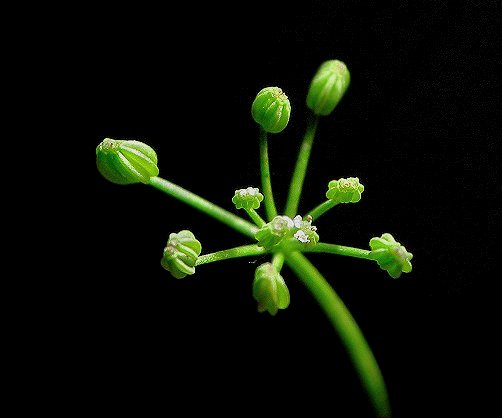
<point x="295" y="188"/>
<point x="257" y="219"/>
<point x="266" y="184"/>
<point x="278" y="261"/>
<point x="348" y="330"/>
<point x="322" y="247"/>
<point x="236" y="252"/>
<point x="322" y="209"/>
<point x="197" y="202"/>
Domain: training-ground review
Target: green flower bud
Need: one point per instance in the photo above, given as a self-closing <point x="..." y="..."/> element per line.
<point x="269" y="289"/>
<point x="390" y="255"/>
<point x="271" y="109"/>
<point x="126" y="161"/>
<point x="345" y="190"/>
<point x="273" y="232"/>
<point x="249" y="198"/>
<point x="328" y="86"/>
<point x="181" y="253"/>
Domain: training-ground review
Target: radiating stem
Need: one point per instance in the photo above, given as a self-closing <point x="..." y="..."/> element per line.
<point x="257" y="219"/>
<point x="266" y="184"/>
<point x="322" y="247"/>
<point x="322" y="209"/>
<point x="236" y="252"/>
<point x="348" y="330"/>
<point x="295" y="188"/>
<point x="278" y="261"/>
<point x="197" y="202"/>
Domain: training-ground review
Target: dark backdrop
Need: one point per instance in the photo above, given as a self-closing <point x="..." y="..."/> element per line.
<point x="419" y="125"/>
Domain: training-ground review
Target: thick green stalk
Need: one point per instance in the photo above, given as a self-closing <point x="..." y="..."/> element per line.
<point x="295" y="188"/>
<point x="236" y="252"/>
<point x="348" y="330"/>
<point x="266" y="184"/>
<point x="322" y="209"/>
<point x="197" y="202"/>
<point x="322" y="247"/>
<point x="255" y="217"/>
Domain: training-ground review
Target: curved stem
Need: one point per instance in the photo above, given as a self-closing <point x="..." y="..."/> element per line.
<point x="197" y="202"/>
<point x="348" y="330"/>
<point x="322" y="209"/>
<point x="295" y="188"/>
<point x="266" y="184"/>
<point x="236" y="252"/>
<point x="322" y="247"/>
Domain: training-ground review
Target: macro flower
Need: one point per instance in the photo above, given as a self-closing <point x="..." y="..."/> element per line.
<point x="271" y="109"/>
<point x="390" y="255"/>
<point x="126" y="161"/>
<point x="248" y="198"/>
<point x="327" y="87"/>
<point x="181" y="253"/>
<point x="269" y="289"/>
<point x="345" y="190"/>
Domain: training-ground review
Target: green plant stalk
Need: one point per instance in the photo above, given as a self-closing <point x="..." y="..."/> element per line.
<point x="348" y="330"/>
<point x="197" y="202"/>
<point x="236" y="252"/>
<point x="266" y="183"/>
<point x="278" y="261"/>
<point x="322" y="209"/>
<point x="295" y="188"/>
<point x="322" y="247"/>
<point x="255" y="217"/>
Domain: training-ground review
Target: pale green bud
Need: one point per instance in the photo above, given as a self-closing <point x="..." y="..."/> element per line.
<point x="181" y="253"/>
<point x="269" y="289"/>
<point x="327" y="87"/>
<point x="271" y="109"/>
<point x="126" y="161"/>
<point x="390" y="255"/>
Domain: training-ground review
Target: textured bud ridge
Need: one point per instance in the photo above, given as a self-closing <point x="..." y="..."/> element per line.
<point x="271" y="109"/>
<point x="126" y="161"/>
<point x="247" y="199"/>
<point x="327" y="87"/>
<point x="345" y="190"/>
<point x="269" y="289"/>
<point x="390" y="255"/>
<point x="181" y="253"/>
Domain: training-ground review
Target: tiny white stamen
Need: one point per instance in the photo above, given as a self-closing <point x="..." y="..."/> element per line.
<point x="301" y="236"/>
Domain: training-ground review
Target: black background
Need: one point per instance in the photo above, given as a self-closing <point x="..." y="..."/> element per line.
<point x="419" y="125"/>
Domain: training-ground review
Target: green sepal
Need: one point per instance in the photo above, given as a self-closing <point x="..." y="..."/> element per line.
<point x="181" y="253"/>
<point x="126" y="161"/>
<point x="390" y="255"/>
<point x="271" y="109"/>
<point x="270" y="290"/>
<point x="328" y="86"/>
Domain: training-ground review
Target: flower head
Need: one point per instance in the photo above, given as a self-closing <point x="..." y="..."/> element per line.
<point x="181" y="253"/>
<point x="248" y="198"/>
<point x="327" y="87"/>
<point x="283" y="227"/>
<point x="390" y="255"/>
<point x="345" y="190"/>
<point x="126" y="161"/>
<point x="271" y="109"/>
<point x="269" y="289"/>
